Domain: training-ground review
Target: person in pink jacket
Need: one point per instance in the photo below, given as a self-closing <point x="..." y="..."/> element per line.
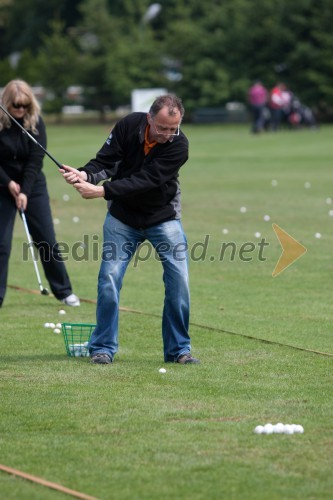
<point x="257" y="98"/>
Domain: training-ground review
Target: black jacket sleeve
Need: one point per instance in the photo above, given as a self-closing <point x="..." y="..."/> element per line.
<point x="4" y="177"/>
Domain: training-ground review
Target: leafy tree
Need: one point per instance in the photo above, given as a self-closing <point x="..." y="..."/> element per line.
<point x="57" y="64"/>
<point x="204" y="77"/>
<point x="135" y="64"/>
<point x="207" y="52"/>
<point x="4" y="21"/>
<point x="95" y="35"/>
<point x="311" y="60"/>
<point x="7" y="73"/>
<point x="29" y="21"/>
<point x="119" y="53"/>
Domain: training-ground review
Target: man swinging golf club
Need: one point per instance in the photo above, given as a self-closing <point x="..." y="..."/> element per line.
<point x="142" y="157"/>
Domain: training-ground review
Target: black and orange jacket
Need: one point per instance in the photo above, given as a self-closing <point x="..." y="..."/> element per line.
<point x="143" y="190"/>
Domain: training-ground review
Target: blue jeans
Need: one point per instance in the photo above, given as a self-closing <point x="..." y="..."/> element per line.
<point x="120" y="244"/>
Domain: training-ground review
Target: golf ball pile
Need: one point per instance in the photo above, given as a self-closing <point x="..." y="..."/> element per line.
<point x="279" y="429"/>
<point x="56" y="327"/>
<point x="79" y="350"/>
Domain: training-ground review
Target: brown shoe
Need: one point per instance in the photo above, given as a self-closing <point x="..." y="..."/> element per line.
<point x="101" y="358"/>
<point x="186" y="359"/>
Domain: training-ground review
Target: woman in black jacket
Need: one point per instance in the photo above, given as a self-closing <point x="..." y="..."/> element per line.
<point x="23" y="187"/>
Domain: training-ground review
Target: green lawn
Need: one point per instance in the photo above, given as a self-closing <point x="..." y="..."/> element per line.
<point x="128" y="432"/>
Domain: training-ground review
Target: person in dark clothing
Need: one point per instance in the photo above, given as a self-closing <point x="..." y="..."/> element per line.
<point x="23" y="187"/>
<point x="142" y="156"/>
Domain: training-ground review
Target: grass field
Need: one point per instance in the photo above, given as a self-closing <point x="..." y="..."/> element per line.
<point x="128" y="432"/>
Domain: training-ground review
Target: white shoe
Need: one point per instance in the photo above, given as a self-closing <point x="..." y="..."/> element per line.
<point x="71" y="300"/>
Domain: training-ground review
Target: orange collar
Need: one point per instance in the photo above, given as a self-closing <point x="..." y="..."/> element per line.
<point x="148" y="145"/>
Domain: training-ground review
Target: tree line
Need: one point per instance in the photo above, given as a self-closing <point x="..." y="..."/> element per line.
<point x="209" y="53"/>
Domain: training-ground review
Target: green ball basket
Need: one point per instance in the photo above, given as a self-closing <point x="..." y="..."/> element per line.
<point x="77" y="337"/>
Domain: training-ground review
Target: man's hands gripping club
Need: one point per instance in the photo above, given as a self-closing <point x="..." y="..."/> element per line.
<point x="78" y="180"/>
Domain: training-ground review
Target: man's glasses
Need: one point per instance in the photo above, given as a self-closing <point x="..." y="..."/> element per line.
<point x="18" y="105"/>
<point x="166" y="131"/>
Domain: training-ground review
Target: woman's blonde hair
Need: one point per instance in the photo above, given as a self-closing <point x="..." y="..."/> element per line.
<point x="20" y="91"/>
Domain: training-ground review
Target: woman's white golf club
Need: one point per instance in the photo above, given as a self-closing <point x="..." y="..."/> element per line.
<point x="43" y="291"/>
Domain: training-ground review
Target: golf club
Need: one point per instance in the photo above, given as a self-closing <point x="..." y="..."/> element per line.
<point x="43" y="291"/>
<point x="31" y="137"/>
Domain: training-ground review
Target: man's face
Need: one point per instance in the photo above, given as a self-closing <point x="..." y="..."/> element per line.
<point x="164" y="127"/>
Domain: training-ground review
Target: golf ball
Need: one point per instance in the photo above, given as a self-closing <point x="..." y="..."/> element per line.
<point x="278" y="428"/>
<point x="62" y="311"/>
<point x="58" y="325"/>
<point x="51" y="325"/>
<point x="259" y="429"/>
<point x="225" y="231"/>
<point x="307" y="185"/>
<point x="56" y="330"/>
<point x="76" y="219"/>
<point x="267" y="218"/>
<point x="288" y="429"/>
<point x="274" y="183"/>
<point x="56" y="221"/>
<point x="65" y="197"/>
<point x="162" y="370"/>
<point x="298" y="429"/>
<point x="328" y="201"/>
<point x="47" y="325"/>
<point x="330" y="213"/>
<point x="317" y="235"/>
<point x="257" y="234"/>
<point x="243" y="210"/>
<point x="268" y="429"/>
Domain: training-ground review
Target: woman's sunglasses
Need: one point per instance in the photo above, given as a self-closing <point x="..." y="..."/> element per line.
<point x="18" y="105"/>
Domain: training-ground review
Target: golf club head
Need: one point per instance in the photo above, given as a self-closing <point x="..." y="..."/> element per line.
<point x="45" y="291"/>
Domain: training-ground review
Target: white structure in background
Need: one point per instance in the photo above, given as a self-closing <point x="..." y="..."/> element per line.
<point x="153" y="10"/>
<point x="142" y="99"/>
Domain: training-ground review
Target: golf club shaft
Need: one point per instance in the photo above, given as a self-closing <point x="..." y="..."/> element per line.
<point x="42" y="289"/>
<point x="59" y="165"/>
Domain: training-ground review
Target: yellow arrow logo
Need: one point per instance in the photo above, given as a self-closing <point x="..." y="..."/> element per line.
<point x="292" y="250"/>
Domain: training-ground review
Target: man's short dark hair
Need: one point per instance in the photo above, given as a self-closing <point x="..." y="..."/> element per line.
<point x="171" y="101"/>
